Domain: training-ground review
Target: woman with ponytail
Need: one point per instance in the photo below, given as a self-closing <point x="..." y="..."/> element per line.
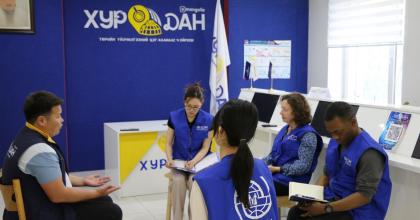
<point x="239" y="186"/>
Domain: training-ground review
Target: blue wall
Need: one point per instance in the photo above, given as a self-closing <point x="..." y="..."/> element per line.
<point x="29" y="63"/>
<point x="125" y="82"/>
<point x="269" y="20"/>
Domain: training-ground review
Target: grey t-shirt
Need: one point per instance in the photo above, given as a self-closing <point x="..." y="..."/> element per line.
<point x="41" y="162"/>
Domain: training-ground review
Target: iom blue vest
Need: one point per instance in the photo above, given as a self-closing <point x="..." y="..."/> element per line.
<point x="285" y="151"/>
<point x="220" y="197"/>
<point x="342" y="169"/>
<point x="188" y="141"/>
<point x="37" y="204"/>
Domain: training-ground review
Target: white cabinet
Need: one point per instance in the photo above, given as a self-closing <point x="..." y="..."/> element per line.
<point x="135" y="157"/>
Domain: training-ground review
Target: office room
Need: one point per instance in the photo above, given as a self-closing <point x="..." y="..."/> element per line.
<point x="130" y="109"/>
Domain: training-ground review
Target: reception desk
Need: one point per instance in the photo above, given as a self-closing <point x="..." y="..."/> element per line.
<point x="135" y="156"/>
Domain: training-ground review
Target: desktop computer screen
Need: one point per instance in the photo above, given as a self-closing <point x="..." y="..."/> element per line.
<point x="318" y="119"/>
<point x="265" y="103"/>
<point x="416" y="152"/>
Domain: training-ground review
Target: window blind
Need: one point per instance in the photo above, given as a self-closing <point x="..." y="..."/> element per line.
<point x="365" y="22"/>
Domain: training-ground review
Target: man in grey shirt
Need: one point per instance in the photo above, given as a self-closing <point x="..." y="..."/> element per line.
<point x="49" y="192"/>
<point x="356" y="175"/>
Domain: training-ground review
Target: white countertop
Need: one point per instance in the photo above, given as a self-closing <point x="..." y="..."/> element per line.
<point x="396" y="160"/>
<point x="138" y="126"/>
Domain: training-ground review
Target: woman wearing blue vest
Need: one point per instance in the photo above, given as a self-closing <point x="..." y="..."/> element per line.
<point x="239" y="186"/>
<point x="296" y="148"/>
<point x="356" y="176"/>
<point x="188" y="138"/>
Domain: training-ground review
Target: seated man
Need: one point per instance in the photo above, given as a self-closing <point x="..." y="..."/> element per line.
<point x="35" y="159"/>
<point x="356" y="175"/>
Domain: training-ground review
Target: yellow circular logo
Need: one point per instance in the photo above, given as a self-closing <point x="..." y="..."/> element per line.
<point x="145" y="21"/>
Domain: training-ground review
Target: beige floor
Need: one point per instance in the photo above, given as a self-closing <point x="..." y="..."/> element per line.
<point x="148" y="207"/>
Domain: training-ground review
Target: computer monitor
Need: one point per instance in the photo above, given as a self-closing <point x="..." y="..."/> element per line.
<point x="416" y="152"/>
<point x="266" y="103"/>
<point x="319" y="116"/>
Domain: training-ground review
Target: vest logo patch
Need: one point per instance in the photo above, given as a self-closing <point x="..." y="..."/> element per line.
<point x="12" y="150"/>
<point x="259" y="201"/>
<point x="202" y="127"/>
<point x="347" y="161"/>
<point x="292" y="137"/>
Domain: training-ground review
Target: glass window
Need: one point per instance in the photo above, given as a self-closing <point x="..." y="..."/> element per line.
<point x="365" y="50"/>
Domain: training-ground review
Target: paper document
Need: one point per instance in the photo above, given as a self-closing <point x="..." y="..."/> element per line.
<point x="205" y="162"/>
<point x="302" y="192"/>
<point x="180" y="165"/>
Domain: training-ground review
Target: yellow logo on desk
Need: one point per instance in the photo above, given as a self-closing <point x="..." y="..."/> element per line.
<point x="144" y="20"/>
<point x="133" y="147"/>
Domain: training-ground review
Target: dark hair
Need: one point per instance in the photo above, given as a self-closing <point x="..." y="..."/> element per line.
<point x="239" y="120"/>
<point x="194" y="90"/>
<point x="39" y="103"/>
<point x="342" y="110"/>
<point x="300" y="107"/>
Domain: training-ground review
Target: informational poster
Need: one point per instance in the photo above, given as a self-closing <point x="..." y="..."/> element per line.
<point x="394" y="129"/>
<point x="259" y="54"/>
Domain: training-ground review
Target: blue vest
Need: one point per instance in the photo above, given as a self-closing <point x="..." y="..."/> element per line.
<point x="188" y="141"/>
<point x="342" y="170"/>
<point x="285" y="151"/>
<point x="220" y="197"/>
<point x="37" y="204"/>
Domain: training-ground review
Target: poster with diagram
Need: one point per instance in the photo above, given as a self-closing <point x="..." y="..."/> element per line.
<point x="394" y="129"/>
<point x="259" y="54"/>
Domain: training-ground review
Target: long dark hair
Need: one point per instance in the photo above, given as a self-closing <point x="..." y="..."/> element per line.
<point x="239" y="120"/>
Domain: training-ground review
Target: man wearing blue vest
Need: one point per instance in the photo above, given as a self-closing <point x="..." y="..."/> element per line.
<point x="356" y="175"/>
<point x="37" y="161"/>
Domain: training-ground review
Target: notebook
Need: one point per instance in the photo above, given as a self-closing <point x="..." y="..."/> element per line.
<point x="302" y="192"/>
<point x="204" y="163"/>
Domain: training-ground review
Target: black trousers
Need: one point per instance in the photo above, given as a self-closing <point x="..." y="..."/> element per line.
<point x="281" y="190"/>
<point x="295" y="212"/>
<point x="100" y="208"/>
